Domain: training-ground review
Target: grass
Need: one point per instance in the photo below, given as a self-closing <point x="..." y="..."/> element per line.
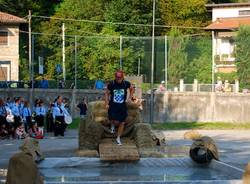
<point x="199" y="125"/>
<point x="75" y="123"/>
<point x="185" y="125"/>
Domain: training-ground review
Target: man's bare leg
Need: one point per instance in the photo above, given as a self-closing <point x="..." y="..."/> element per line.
<point x="112" y="127"/>
<point x="119" y="133"/>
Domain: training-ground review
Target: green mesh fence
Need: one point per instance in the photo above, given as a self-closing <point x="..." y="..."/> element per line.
<point x="88" y="58"/>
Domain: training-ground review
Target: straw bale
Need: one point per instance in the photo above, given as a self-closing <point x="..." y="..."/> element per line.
<point x="206" y="144"/>
<point x="133" y="120"/>
<point x="99" y="112"/>
<point x="133" y="112"/>
<point x="90" y="136"/>
<point x="246" y="175"/>
<point x="158" y="138"/>
<point x="131" y="105"/>
<point x="97" y="105"/>
<point x="100" y="119"/>
<point x="142" y="135"/>
<point x="150" y="152"/>
<point x="192" y="134"/>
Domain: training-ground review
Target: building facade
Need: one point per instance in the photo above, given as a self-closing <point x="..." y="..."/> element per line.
<point x="9" y="46"/>
<point x="226" y="20"/>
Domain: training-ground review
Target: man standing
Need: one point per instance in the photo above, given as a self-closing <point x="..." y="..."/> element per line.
<point x="83" y="108"/>
<point x="115" y="98"/>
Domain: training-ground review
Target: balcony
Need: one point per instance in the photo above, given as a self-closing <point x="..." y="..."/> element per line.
<point x="224" y="59"/>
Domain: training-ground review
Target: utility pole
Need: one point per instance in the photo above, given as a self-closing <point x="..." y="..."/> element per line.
<point x="120" y="52"/>
<point x="63" y="52"/>
<point x="152" y="69"/>
<point x="75" y="62"/>
<point x="32" y="60"/>
<point x="166" y="62"/>
<point x="30" y="56"/>
<point x="139" y="66"/>
<point x="213" y="63"/>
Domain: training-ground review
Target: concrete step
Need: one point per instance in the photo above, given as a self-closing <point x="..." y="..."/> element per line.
<point x="110" y="151"/>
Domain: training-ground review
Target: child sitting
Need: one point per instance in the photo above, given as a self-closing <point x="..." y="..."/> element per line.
<point x="20" y="132"/>
<point x="4" y="132"/>
<point x="35" y="132"/>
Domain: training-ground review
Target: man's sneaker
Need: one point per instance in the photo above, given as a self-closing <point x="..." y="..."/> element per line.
<point x="112" y="129"/>
<point x="118" y="141"/>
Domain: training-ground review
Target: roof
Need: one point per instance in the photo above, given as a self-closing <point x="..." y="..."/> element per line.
<point x="222" y="5"/>
<point x="6" y="18"/>
<point x="232" y="23"/>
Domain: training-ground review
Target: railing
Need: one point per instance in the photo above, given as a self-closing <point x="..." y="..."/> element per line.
<point x="207" y="88"/>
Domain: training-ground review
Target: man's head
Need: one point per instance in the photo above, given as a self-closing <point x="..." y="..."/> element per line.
<point x="119" y="76"/>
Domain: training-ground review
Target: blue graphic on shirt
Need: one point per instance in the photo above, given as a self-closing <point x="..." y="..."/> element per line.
<point x="119" y="95"/>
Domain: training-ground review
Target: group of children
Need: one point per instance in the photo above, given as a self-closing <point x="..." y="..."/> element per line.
<point x="17" y="120"/>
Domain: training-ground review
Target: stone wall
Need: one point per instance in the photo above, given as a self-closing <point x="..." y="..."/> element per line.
<point x="168" y="107"/>
<point x="200" y="107"/>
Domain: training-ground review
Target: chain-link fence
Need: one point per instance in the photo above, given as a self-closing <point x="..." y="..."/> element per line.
<point x="89" y="58"/>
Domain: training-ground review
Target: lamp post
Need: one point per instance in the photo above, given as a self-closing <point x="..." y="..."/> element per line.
<point x="152" y="69"/>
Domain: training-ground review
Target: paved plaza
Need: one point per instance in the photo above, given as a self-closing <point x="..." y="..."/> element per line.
<point x="234" y="145"/>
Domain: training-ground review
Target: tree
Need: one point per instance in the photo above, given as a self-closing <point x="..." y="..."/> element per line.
<point x="177" y="64"/>
<point x="133" y="12"/>
<point x="243" y="55"/>
<point x="189" y="13"/>
<point x="98" y="43"/>
<point x="199" y="50"/>
<point x="21" y="7"/>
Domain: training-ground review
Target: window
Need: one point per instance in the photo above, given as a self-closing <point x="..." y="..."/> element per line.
<point x="244" y="12"/>
<point x="3" y="38"/>
<point x="4" y="70"/>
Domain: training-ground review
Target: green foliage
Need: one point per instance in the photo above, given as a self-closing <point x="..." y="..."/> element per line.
<point x="21" y="7"/>
<point x="199" y="50"/>
<point x="243" y="55"/>
<point x="189" y="13"/>
<point x="98" y="55"/>
<point x="75" y="123"/>
<point x="231" y="77"/>
<point x="136" y="11"/>
<point x="177" y="62"/>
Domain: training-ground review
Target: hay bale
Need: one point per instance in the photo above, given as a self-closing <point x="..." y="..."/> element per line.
<point x="100" y="119"/>
<point x="90" y="136"/>
<point x="150" y="152"/>
<point x="22" y="166"/>
<point x="158" y="138"/>
<point x="135" y="104"/>
<point x="246" y="175"/>
<point x="192" y="134"/>
<point x="133" y="120"/>
<point x="99" y="112"/>
<point x="133" y="112"/>
<point x="96" y="105"/>
<point x="142" y="135"/>
<point x="203" y="150"/>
